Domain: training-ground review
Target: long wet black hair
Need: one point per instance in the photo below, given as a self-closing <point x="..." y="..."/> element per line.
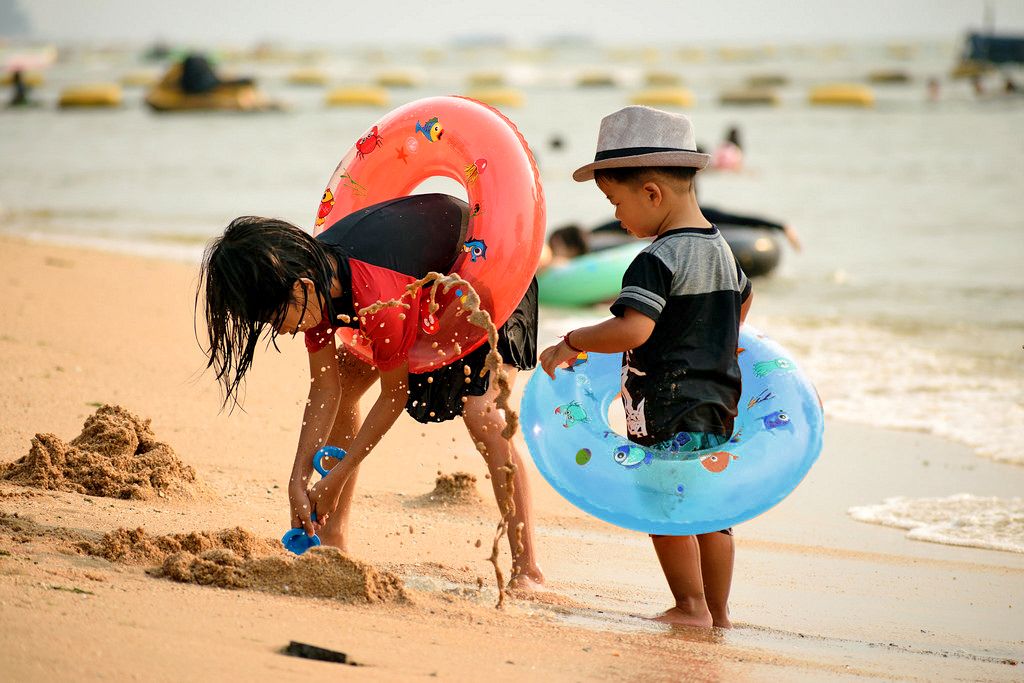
<point x="247" y="275"/>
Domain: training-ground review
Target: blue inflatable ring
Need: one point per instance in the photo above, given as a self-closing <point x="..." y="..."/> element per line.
<point x="776" y="439"/>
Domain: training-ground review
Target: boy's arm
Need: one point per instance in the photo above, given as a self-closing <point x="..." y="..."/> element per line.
<point x="745" y="306"/>
<point x="614" y="335"/>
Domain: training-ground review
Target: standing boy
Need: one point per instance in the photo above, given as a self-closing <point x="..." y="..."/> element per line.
<point x="676" y="322"/>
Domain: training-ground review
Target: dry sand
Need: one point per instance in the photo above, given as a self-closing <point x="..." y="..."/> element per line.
<point x="86" y="594"/>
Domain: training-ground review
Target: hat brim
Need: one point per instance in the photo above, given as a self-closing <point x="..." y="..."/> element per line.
<point x="684" y="159"/>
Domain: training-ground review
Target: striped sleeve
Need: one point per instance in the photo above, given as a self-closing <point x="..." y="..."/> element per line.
<point x="744" y="283"/>
<point x="646" y="286"/>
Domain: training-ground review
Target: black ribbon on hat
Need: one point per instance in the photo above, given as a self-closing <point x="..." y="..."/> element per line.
<point x="636" y="151"/>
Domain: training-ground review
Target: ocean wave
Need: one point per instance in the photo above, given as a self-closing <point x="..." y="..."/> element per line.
<point x="963" y="519"/>
<point x="871" y="375"/>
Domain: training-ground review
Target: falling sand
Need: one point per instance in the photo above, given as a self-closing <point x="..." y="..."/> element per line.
<point x="116" y="456"/>
<point x="493" y="364"/>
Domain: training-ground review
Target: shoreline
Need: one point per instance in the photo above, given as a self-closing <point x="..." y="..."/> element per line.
<point x="816" y="593"/>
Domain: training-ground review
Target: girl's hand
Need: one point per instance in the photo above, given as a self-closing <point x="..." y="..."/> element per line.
<point x="323" y="499"/>
<point x="301" y="510"/>
<point x="556" y="356"/>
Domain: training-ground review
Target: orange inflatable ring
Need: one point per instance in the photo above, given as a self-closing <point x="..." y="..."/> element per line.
<point x="474" y="144"/>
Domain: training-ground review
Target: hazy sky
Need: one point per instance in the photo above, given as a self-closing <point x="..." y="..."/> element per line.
<point x="396" y="22"/>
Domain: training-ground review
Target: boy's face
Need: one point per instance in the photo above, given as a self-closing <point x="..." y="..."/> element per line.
<point x="635" y="206"/>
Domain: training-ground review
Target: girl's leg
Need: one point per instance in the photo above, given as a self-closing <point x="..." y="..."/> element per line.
<point x="485" y="424"/>
<point x="680" y="560"/>
<point x="716" y="561"/>
<point x="356" y="378"/>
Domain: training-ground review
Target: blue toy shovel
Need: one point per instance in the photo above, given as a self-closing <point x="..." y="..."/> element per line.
<point x="296" y="540"/>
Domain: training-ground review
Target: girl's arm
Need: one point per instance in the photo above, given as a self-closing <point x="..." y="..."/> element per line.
<point x="394" y="385"/>
<point x="317" y="421"/>
<point x="613" y="335"/>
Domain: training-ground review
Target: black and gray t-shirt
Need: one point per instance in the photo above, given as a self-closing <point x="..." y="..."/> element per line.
<point x="685" y="377"/>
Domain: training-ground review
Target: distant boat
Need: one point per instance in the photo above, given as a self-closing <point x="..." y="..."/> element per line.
<point x="993" y="49"/>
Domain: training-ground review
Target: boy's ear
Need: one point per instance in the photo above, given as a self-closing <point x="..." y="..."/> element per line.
<point x="652" y="191"/>
<point x="303" y="288"/>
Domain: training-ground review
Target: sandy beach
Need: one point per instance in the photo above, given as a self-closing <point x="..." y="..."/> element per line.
<point x="816" y="595"/>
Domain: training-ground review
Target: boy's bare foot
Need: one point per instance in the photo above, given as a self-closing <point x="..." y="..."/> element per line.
<point x="722" y="621"/>
<point x="678" y="617"/>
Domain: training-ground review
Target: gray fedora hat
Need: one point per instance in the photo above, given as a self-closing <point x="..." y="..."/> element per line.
<point x="642" y="136"/>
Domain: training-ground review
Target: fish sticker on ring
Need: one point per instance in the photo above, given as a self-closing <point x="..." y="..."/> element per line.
<point x="476" y="249"/>
<point x="326" y="204"/>
<point x="432" y="130"/>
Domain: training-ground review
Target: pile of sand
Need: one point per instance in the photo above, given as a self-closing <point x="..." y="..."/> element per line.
<point x="319" y="573"/>
<point x="116" y="456"/>
<point x="135" y="546"/>
<point x="453" y="489"/>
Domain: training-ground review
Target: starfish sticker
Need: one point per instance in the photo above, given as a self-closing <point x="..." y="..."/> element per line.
<point x="402" y="154"/>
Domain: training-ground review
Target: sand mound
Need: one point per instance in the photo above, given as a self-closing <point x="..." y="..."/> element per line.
<point x="319" y="573"/>
<point x="116" y="456"/>
<point x="452" y="489"/>
<point x="135" y="546"/>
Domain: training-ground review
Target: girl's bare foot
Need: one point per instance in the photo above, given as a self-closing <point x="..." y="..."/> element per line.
<point x="532" y="580"/>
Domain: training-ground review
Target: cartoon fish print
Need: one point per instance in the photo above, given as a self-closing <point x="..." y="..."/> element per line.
<point x="573" y="413"/>
<point x="717" y="461"/>
<point x="476" y="249"/>
<point x="432" y="130"/>
<point x="632" y="457"/>
<point x="767" y="367"/>
<point x="326" y="204"/>
<point x="581" y="359"/>
<point x="777" y="420"/>
<point x="368" y="143"/>
<point x="765" y="395"/>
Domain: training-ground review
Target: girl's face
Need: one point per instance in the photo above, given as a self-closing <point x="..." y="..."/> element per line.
<point x="302" y="313"/>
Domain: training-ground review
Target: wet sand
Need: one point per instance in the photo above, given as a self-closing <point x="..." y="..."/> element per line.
<point x="816" y="594"/>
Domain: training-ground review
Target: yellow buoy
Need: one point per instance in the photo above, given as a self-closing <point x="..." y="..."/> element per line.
<point x="767" y="80"/>
<point x="970" y="69"/>
<point x="307" y="76"/>
<point x="888" y="76"/>
<point x="396" y="79"/>
<point x="140" y="79"/>
<point x="749" y="97"/>
<point x="91" y="95"/>
<point x="664" y="97"/>
<point x="842" y="95"/>
<point x="486" y="79"/>
<point x="497" y="97"/>
<point x="595" y="79"/>
<point x="357" y="96"/>
<point x="32" y="79"/>
<point x="662" y="79"/>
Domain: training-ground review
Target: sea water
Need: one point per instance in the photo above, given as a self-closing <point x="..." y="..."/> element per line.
<point x="906" y="304"/>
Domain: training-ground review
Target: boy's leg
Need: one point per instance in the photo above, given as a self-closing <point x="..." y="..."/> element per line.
<point x="681" y="562"/>
<point x="485" y="424"/>
<point x="356" y="378"/>
<point x="716" y="561"/>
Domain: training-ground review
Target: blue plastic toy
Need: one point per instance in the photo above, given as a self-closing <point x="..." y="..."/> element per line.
<point x="296" y="540"/>
<point x="776" y="439"/>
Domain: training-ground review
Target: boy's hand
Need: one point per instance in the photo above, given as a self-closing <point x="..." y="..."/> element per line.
<point x="301" y="510"/>
<point x="555" y="356"/>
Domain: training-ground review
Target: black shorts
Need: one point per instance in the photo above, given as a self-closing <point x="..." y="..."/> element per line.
<point x="440" y="400"/>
